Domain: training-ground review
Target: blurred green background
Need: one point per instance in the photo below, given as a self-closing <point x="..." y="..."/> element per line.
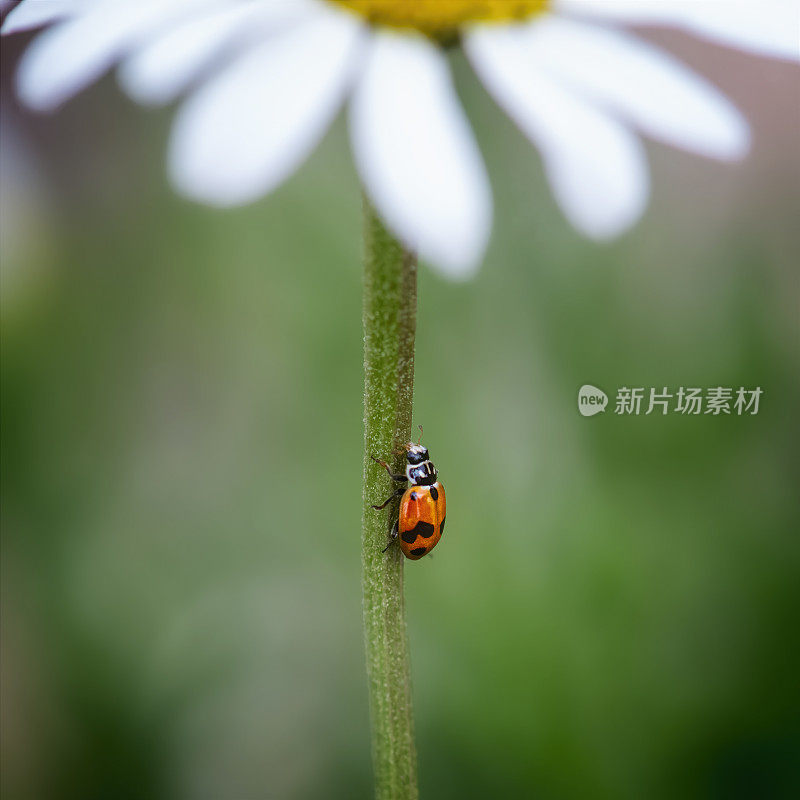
<point x="613" y="612"/>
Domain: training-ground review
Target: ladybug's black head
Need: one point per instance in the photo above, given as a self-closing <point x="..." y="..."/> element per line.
<point x="416" y="454"/>
<point x="420" y="469"/>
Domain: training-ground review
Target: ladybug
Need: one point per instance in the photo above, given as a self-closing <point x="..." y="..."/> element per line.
<point x="422" y="507"/>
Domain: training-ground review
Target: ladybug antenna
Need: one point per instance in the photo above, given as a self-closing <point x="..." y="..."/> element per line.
<point x="420" y="434"/>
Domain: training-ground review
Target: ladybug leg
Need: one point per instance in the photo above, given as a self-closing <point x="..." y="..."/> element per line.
<point x="393" y="535"/>
<point x="390" y="498"/>
<point x="386" y="467"/>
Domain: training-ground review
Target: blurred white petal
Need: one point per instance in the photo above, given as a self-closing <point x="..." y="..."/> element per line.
<point x="765" y="27"/>
<point x="643" y="12"/>
<point x="243" y="133"/>
<point x="33" y="13"/>
<point x="653" y="90"/>
<point x="596" y="167"/>
<point x="68" y="56"/>
<point x="416" y="154"/>
<point x="163" y="69"/>
<point x="159" y="72"/>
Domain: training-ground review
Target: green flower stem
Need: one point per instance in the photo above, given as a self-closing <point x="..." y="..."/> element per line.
<point x="390" y="319"/>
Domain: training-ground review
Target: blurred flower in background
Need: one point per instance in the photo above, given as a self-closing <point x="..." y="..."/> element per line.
<point x="266" y="78"/>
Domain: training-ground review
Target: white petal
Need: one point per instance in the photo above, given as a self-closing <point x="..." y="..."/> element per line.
<point x="164" y="68"/>
<point x="416" y="154"/>
<point x="651" y="89"/>
<point x="161" y="70"/>
<point x="655" y="12"/>
<point x="764" y="27"/>
<point x="34" y="13"/>
<point x="243" y="133"/>
<point x="597" y="168"/>
<point x="768" y="27"/>
<point x="67" y="57"/>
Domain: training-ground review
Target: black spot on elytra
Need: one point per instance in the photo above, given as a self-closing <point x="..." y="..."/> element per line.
<point x="434" y="493"/>
<point x="441" y="527"/>
<point x="413" y="496"/>
<point x="423" y="529"/>
<point x="419" y="551"/>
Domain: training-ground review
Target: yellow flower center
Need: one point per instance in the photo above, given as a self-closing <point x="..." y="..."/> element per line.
<point x="442" y="19"/>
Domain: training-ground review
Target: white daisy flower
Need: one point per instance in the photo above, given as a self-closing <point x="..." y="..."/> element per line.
<point x="264" y="79"/>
